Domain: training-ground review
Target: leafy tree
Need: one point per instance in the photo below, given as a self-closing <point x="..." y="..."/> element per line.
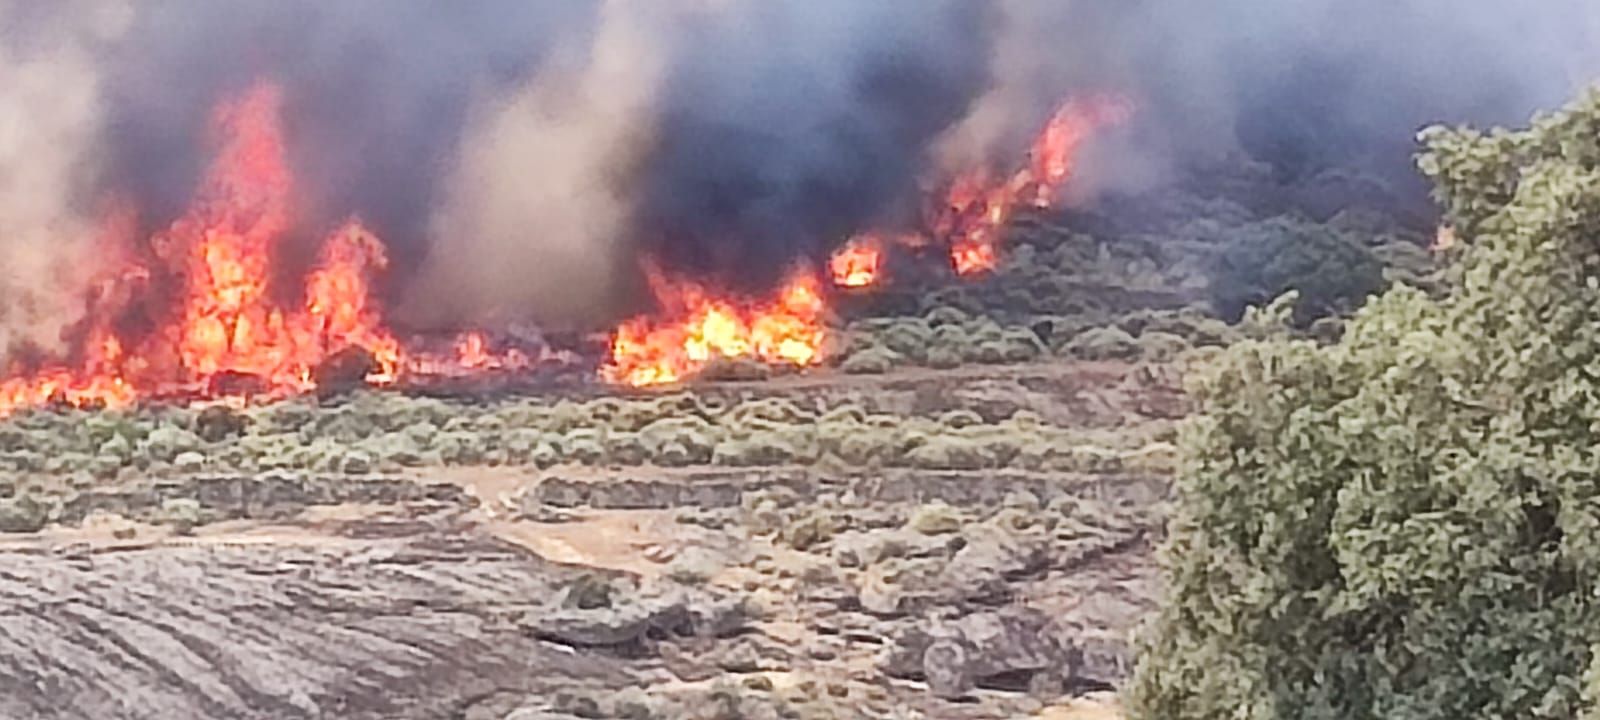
<point x="1407" y="525"/>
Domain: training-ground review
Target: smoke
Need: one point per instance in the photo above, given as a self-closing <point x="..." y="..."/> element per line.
<point x="1302" y="85"/>
<point x="725" y="139"/>
<point x="519" y="158"/>
<point x="50" y="107"/>
<point x="533" y="222"/>
<point x="788" y="126"/>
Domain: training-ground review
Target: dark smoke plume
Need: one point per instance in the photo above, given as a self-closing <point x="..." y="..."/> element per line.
<point x="519" y="157"/>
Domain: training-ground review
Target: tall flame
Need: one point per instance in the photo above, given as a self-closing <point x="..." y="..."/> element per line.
<point x="971" y="213"/>
<point x="977" y="206"/>
<point x="225" y="248"/>
<point x="220" y="256"/>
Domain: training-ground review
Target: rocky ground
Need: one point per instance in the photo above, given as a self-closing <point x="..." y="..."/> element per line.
<point x="786" y="590"/>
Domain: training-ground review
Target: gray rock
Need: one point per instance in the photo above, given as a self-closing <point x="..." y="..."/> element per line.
<point x="23" y="514"/>
<point x="993" y="647"/>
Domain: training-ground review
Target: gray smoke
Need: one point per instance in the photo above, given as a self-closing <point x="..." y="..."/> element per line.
<point x="51" y="107"/>
<point x="519" y="157"/>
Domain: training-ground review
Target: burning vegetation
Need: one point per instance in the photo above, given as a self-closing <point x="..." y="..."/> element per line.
<point x="978" y="204"/>
<point x="205" y="285"/>
<point x="193" y="313"/>
<point x="695" y="326"/>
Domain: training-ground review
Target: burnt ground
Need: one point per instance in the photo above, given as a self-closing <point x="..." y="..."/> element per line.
<point x="639" y="592"/>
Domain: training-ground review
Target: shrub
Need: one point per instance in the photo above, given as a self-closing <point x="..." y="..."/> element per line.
<point x="1162" y="347"/>
<point x="867" y="448"/>
<point x="398" y="449"/>
<point x="907" y="338"/>
<point x="951" y="453"/>
<point x="958" y="419"/>
<point x="183" y="514"/>
<point x="1107" y="343"/>
<point x="23" y="514"/>
<point x="873" y="361"/>
<point x="944" y="357"/>
<point x="762" y="448"/>
<point x="167" y="442"/>
<point x="585" y="446"/>
<point x="1332" y="271"/>
<point x="1404" y="525"/>
<point x="626" y="448"/>
<point x="460" y="447"/>
<point x="741" y="369"/>
<point x="1021" y="345"/>
<point x="940" y="317"/>
<point x="992" y="352"/>
<point x="772" y="409"/>
<point x="679" y="441"/>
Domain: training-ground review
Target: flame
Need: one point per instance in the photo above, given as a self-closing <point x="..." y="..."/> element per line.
<point x="977" y="206"/>
<point x="857" y="264"/>
<point x="220" y="256"/>
<point x="471" y="351"/>
<point x="227" y="244"/>
<point x="204" y="287"/>
<point x="698" y="327"/>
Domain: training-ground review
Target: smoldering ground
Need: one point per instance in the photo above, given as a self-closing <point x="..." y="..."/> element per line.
<point x="519" y="157"/>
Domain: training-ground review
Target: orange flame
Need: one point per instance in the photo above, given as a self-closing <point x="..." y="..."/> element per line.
<point x="857" y="264"/>
<point x="976" y="207"/>
<point x="221" y="254"/>
<point x="229" y="322"/>
<point x="698" y="328"/>
<point x="219" y="259"/>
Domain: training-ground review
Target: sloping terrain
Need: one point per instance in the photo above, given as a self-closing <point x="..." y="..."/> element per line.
<point x="799" y="588"/>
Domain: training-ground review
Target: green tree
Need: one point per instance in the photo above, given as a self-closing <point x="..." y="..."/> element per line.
<point x="1407" y="525"/>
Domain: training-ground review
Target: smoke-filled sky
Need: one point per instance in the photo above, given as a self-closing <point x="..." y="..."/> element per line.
<point x="520" y="156"/>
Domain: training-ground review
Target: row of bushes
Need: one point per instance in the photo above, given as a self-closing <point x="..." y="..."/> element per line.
<point x="1145" y="254"/>
<point x="1045" y="270"/>
<point x="388" y="432"/>
<point x="947" y="337"/>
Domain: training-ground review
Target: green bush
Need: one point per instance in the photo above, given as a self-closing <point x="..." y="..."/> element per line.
<point x="907" y="338"/>
<point x="1331" y="269"/>
<point x="1406" y="525"/>
<point x="951" y="453"/>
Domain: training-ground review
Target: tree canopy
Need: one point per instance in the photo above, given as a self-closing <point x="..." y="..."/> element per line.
<point x="1406" y="525"/>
